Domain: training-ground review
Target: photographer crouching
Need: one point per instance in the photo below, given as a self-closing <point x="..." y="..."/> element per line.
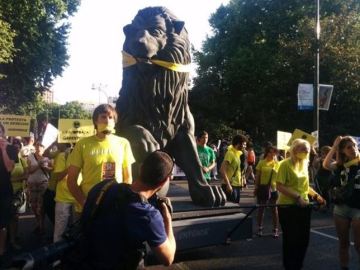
<point x="118" y="219"/>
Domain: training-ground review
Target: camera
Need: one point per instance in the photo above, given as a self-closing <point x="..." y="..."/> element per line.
<point x="156" y="201"/>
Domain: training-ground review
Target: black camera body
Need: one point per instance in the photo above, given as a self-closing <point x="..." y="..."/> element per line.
<point x="156" y="201"/>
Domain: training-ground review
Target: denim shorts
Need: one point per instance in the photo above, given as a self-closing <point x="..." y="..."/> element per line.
<point x="343" y="210"/>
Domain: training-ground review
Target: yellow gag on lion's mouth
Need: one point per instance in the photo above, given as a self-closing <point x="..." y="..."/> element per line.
<point x="129" y="60"/>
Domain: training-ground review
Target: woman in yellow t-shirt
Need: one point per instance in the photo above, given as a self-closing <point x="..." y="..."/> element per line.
<point x="265" y="188"/>
<point x="292" y="182"/>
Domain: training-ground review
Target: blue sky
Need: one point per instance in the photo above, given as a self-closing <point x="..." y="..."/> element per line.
<point x="96" y="39"/>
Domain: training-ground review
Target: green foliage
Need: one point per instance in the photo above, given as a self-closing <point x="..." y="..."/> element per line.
<point x="70" y="110"/>
<point x="250" y="68"/>
<point x="41" y="30"/>
<point x="6" y="42"/>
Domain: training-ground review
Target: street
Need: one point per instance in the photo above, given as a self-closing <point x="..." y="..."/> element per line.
<point x="256" y="253"/>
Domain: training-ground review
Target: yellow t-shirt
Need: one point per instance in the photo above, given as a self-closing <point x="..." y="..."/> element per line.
<point x="293" y="179"/>
<point x="101" y="159"/>
<point x="62" y="191"/>
<point x="233" y="171"/>
<point x="18" y="170"/>
<point x="267" y="170"/>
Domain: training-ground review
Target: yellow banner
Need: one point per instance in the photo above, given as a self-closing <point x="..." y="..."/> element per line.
<point x="71" y="130"/>
<point x="299" y="134"/>
<point x="16" y="125"/>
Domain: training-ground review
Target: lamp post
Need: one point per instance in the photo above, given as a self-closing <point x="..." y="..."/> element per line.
<point x="99" y="88"/>
<point x="316" y="120"/>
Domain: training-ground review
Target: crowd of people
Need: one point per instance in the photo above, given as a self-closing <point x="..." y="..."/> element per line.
<point x="57" y="181"/>
<point x="291" y="182"/>
<point x="68" y="182"/>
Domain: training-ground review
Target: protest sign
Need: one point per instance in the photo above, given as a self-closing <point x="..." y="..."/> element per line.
<point x="71" y="130"/>
<point x="299" y="134"/>
<point x="50" y="135"/>
<point x="16" y="125"/>
<point x="283" y="139"/>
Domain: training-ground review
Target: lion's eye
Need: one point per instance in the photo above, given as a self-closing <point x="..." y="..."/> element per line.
<point x="156" y="32"/>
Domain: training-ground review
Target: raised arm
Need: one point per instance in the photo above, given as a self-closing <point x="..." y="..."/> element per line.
<point x="328" y="162"/>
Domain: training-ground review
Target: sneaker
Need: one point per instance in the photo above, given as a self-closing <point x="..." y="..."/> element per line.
<point x="275" y="233"/>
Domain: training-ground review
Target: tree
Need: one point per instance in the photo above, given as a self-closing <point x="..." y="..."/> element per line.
<point x="261" y="49"/>
<point x="70" y="110"/>
<point x="41" y="30"/>
<point x="6" y="42"/>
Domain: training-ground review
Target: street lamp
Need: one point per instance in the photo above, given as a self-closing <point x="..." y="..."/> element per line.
<point x="99" y="88"/>
<point x="317" y="73"/>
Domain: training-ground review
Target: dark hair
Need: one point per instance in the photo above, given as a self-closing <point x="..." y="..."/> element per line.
<point x="201" y="133"/>
<point x="155" y="168"/>
<point x="268" y="149"/>
<point x="238" y="139"/>
<point x="343" y="142"/>
<point x="104" y="108"/>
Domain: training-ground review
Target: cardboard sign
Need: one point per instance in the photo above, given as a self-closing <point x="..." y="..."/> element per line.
<point x="72" y="130"/>
<point x="16" y="125"/>
<point x="316" y="135"/>
<point x="50" y="135"/>
<point x="299" y="134"/>
<point x="282" y="140"/>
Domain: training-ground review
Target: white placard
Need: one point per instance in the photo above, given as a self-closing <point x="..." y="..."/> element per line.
<point x="50" y="135"/>
<point x="283" y="139"/>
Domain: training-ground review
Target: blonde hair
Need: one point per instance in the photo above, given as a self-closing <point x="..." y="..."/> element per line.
<point x="299" y="164"/>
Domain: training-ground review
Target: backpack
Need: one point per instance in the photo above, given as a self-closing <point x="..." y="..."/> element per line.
<point x="78" y="257"/>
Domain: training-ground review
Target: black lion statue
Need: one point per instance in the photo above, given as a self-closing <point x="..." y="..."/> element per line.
<point x="153" y="101"/>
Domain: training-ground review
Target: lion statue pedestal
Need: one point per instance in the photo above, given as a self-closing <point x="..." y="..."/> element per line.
<point x="153" y="101"/>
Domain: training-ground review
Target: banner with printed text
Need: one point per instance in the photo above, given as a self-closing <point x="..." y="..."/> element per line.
<point x="71" y="130"/>
<point x="16" y="125"/>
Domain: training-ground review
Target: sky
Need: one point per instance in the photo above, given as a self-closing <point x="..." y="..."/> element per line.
<point x="96" y="39"/>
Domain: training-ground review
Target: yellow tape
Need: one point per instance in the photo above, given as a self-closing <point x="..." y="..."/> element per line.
<point x="129" y="60"/>
<point x="351" y="162"/>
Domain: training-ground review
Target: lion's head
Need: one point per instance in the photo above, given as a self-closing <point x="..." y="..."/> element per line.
<point x="151" y="95"/>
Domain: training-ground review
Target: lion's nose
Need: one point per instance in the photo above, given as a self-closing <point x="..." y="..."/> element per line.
<point x="143" y="36"/>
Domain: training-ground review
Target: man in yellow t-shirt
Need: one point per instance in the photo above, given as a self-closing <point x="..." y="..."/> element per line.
<point x="99" y="157"/>
<point x="231" y="169"/>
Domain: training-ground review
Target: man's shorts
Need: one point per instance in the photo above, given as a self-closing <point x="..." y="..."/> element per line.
<point x="344" y="211"/>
